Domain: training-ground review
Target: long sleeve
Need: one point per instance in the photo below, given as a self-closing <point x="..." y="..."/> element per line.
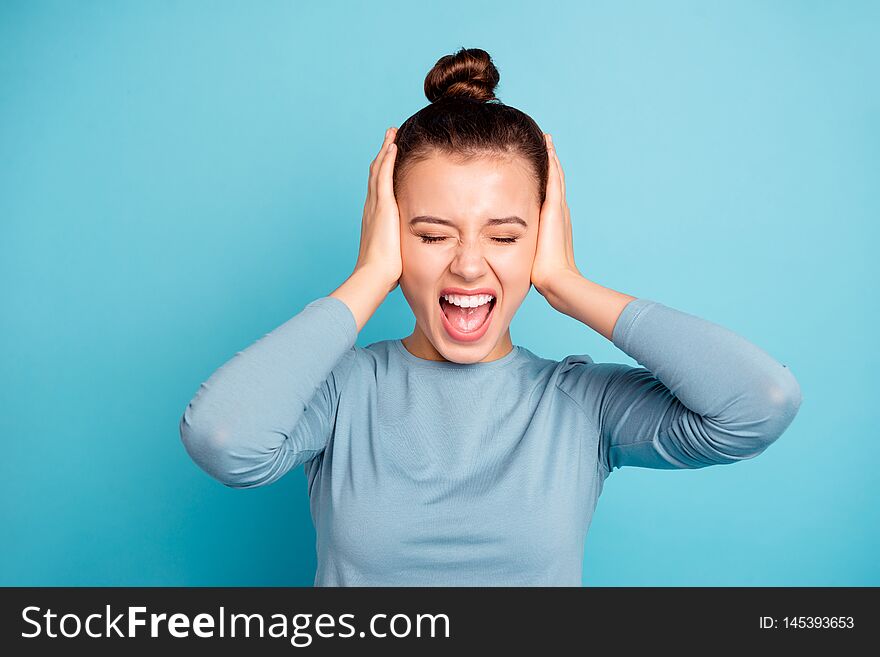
<point x="703" y="396"/>
<point x="270" y="407"/>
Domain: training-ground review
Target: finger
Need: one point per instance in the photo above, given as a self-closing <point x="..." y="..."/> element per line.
<point x="385" y="179"/>
<point x="553" y="189"/>
<point x="570" y="243"/>
<point x="377" y="161"/>
<point x="559" y="167"/>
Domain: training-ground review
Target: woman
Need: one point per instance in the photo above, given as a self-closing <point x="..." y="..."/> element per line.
<point x="453" y="457"/>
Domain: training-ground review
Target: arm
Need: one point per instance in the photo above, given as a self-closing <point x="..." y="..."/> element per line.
<point x="703" y="396"/>
<point x="269" y="408"/>
<point x="272" y="406"/>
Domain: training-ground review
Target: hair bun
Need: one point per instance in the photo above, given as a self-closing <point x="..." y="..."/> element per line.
<point x="469" y="73"/>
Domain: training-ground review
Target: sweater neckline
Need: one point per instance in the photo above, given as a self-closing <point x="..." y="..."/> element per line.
<point x="510" y="356"/>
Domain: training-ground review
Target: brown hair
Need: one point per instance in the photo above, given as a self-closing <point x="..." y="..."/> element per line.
<point x="465" y="120"/>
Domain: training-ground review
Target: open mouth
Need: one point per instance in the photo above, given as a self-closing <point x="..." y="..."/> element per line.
<point x="466" y="324"/>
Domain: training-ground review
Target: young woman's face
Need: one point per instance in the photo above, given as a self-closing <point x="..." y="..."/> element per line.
<point x="449" y="237"/>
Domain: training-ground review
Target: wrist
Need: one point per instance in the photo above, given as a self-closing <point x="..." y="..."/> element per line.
<point x="375" y="275"/>
<point x="588" y="302"/>
<point x="363" y="292"/>
<point x="557" y="287"/>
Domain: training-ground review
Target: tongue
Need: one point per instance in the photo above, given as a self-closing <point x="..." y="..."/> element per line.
<point x="465" y="319"/>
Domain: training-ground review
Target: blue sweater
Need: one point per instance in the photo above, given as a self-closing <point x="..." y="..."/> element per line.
<point x="433" y="473"/>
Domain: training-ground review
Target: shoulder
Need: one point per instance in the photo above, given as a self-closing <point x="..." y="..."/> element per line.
<point x="370" y="359"/>
<point x="579" y="376"/>
<point x="563" y="373"/>
<point x="570" y="372"/>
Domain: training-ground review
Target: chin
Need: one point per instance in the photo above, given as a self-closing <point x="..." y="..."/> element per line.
<point x="469" y="355"/>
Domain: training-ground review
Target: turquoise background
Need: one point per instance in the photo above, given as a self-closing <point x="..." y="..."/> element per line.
<point x="179" y="178"/>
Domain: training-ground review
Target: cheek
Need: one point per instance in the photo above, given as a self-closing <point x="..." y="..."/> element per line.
<point x="422" y="265"/>
<point x="410" y="252"/>
<point x="515" y="274"/>
<point x="516" y="263"/>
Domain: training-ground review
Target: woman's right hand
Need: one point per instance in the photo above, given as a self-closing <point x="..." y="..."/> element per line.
<point x="380" y="227"/>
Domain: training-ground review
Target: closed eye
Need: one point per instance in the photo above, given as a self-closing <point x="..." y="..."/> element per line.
<point x="431" y="239"/>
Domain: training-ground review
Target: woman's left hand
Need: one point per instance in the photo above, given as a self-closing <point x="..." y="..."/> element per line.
<point x="554" y="256"/>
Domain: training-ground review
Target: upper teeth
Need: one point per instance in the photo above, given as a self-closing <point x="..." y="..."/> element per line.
<point x="468" y="301"/>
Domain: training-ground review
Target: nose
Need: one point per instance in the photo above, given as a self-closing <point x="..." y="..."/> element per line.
<point x="468" y="261"/>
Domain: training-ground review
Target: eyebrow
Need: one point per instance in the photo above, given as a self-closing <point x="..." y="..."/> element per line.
<point x="428" y="219"/>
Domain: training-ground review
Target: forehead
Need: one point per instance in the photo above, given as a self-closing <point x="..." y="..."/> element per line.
<point x="467" y="190"/>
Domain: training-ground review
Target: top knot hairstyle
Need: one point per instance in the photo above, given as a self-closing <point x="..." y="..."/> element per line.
<point x="465" y="120"/>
